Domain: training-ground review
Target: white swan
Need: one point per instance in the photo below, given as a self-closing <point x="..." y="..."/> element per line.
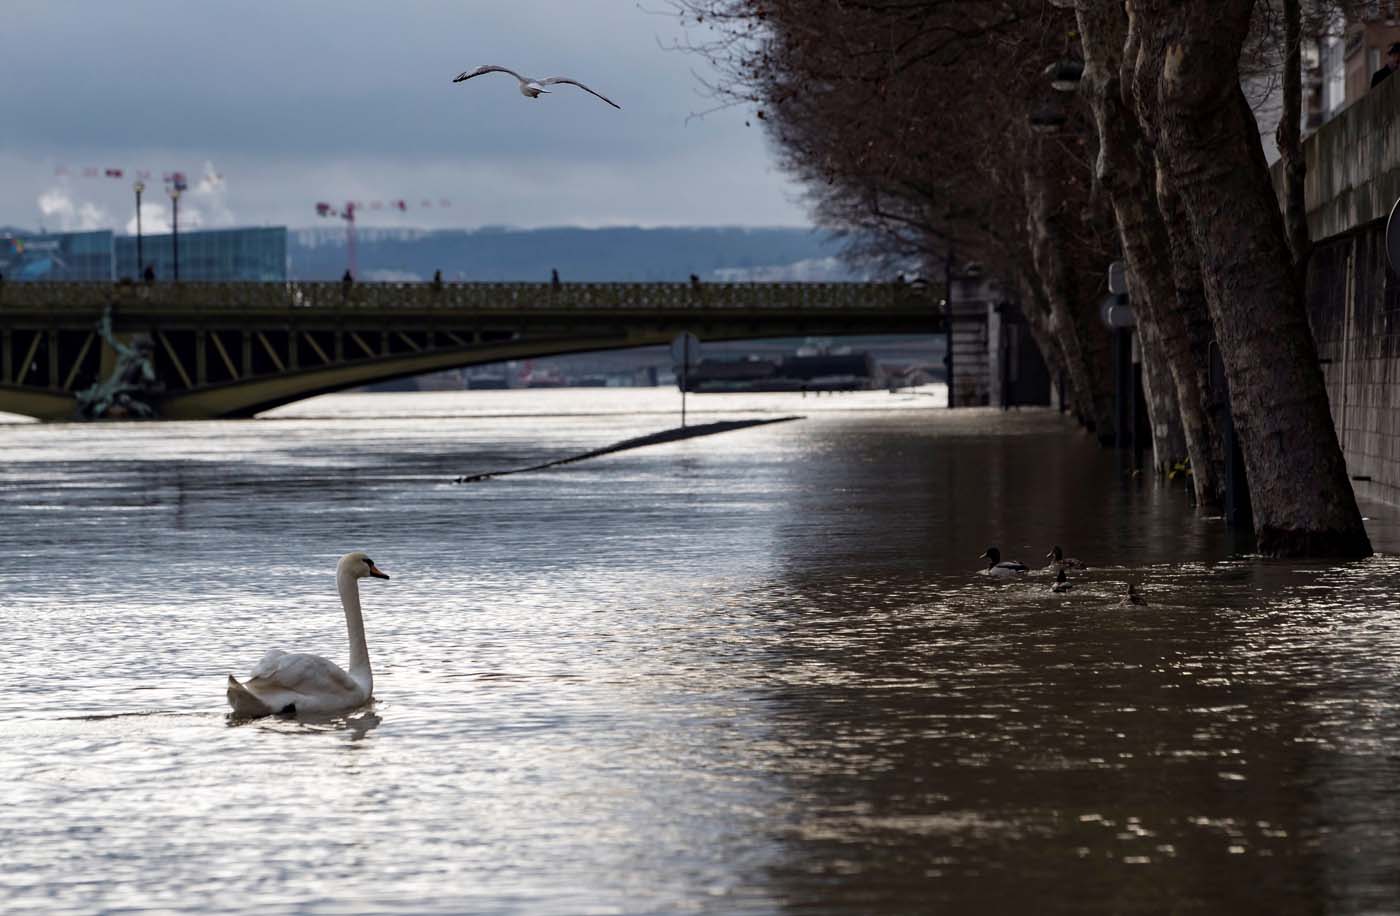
<point x="287" y="683"/>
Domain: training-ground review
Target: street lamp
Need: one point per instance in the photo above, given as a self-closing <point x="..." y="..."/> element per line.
<point x="174" y="192"/>
<point x="140" y="259"/>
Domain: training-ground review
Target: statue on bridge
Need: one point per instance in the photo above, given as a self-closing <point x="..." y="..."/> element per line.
<point x="126" y="393"/>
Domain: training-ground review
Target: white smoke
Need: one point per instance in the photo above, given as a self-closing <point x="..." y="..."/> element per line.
<point x="203" y="205"/>
<point x="155" y="218"/>
<point x="209" y="196"/>
<point x="62" y="212"/>
<point x="809" y="270"/>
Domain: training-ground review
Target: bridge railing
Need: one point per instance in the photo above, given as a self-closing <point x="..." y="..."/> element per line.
<point x="469" y="296"/>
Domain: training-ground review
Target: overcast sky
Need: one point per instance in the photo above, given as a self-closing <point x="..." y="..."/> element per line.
<point x="299" y="101"/>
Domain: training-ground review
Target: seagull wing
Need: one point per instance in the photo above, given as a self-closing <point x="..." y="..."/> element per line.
<point x="488" y="68"/>
<point x="564" y="79"/>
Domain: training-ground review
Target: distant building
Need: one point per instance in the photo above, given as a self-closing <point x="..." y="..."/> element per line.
<point x="817" y="372"/>
<point x="1339" y="71"/>
<point x="258" y="254"/>
<point x="68" y="256"/>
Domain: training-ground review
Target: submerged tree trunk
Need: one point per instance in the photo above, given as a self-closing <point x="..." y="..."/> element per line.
<point x="1301" y="496"/>
<point x="1083" y="340"/>
<point x="1187" y="322"/>
<point x="1159" y="390"/>
<point x="1036" y="309"/>
<point x="1126" y="170"/>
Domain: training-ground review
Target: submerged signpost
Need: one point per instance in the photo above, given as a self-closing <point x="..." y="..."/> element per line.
<point x="685" y="355"/>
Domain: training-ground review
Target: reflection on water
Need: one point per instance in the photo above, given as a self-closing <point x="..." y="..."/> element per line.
<point x="751" y="673"/>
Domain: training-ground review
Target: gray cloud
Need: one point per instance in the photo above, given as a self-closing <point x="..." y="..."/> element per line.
<point x="348" y="99"/>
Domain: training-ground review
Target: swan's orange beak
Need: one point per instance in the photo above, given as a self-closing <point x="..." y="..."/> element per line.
<point x="378" y="573"/>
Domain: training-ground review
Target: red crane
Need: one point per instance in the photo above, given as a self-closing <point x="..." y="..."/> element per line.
<point x="351" y="207"/>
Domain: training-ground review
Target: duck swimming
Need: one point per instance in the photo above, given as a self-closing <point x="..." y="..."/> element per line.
<point x="1062" y="584"/>
<point x="1133" y="596"/>
<point x="997" y="567"/>
<point x="1057" y="558"/>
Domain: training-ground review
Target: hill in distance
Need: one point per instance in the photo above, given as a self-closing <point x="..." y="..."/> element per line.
<point x="622" y="254"/>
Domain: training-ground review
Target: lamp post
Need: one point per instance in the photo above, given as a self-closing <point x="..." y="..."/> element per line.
<point x="175" y="228"/>
<point x="140" y="257"/>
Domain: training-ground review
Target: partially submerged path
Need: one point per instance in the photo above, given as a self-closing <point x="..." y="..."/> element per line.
<point x="669" y="435"/>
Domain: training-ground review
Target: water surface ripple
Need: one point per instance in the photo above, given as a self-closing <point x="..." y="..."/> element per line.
<point x="754" y="673"/>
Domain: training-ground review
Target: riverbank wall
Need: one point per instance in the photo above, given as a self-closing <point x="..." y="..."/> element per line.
<point x="1353" y="180"/>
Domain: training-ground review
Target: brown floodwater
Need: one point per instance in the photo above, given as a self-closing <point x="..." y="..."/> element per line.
<point x="753" y="673"/>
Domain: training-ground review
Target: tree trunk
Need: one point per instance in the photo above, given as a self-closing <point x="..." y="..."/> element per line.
<point x="1036" y="307"/>
<point x="1302" y="498"/>
<point x="1126" y="170"/>
<point x="1073" y="321"/>
<point x="1159" y="390"/>
<point x="1289" y="137"/>
<point x="1188" y="325"/>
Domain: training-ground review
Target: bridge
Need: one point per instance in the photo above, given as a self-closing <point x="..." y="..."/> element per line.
<point x="205" y="350"/>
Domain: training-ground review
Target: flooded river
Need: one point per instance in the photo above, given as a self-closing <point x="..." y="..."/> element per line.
<point x="752" y="673"/>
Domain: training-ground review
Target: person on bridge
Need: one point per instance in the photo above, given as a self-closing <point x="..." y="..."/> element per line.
<point x="553" y="278"/>
<point x="437" y="281"/>
<point x="149" y="274"/>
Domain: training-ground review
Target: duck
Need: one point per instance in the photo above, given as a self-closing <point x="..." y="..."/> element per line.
<point x="1062" y="584"/>
<point x="299" y="684"/>
<point x="1132" y="596"/>
<point x="1057" y="559"/>
<point x="997" y="567"/>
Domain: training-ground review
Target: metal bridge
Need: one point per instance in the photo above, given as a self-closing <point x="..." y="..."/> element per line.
<point x="204" y="350"/>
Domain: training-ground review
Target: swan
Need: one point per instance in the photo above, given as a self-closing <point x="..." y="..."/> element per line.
<point x="533" y="88"/>
<point x="287" y="683"/>
<point x="997" y="567"/>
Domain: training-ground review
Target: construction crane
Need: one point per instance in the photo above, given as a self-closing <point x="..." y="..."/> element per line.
<point x="347" y="212"/>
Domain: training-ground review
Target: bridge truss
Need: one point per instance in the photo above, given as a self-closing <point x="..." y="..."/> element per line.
<point x="233" y="349"/>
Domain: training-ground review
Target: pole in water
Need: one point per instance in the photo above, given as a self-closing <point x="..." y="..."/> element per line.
<point x="684" y="348"/>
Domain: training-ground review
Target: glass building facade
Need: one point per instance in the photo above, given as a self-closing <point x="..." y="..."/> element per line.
<point x="258" y="254"/>
<point x="67" y="256"/>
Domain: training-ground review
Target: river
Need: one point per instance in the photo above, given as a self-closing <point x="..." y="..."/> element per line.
<point x="751" y="673"/>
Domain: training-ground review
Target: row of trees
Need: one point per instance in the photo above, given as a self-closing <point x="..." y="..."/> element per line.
<point x="910" y="124"/>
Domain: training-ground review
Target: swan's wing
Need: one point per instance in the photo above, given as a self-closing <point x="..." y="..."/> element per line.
<point x="564" y="79"/>
<point x="298" y="672"/>
<point x="487" y="68"/>
<point x="268" y="664"/>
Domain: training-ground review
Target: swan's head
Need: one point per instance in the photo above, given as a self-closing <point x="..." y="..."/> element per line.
<point x="358" y="565"/>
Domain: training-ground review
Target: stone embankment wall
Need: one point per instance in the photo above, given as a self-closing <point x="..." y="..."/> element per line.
<point x="1353" y="180"/>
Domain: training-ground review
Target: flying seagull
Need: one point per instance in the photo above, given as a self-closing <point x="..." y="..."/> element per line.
<point x="532" y="88"/>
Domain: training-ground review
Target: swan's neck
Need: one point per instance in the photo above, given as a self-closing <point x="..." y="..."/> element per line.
<point x="355" y="625"/>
